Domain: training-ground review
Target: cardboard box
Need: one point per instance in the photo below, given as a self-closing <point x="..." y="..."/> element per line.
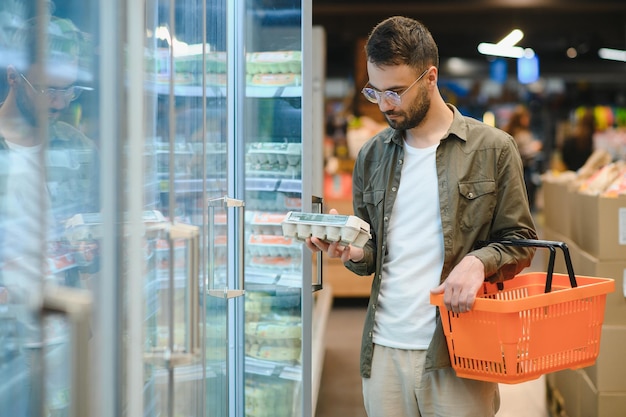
<point x="597" y="403"/>
<point x="608" y="374"/>
<point x="598" y="225"/>
<point x="588" y="265"/>
<point x="565" y="393"/>
<point x="557" y="209"/>
<point x="573" y="394"/>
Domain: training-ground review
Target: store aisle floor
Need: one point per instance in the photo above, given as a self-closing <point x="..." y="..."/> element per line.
<point x="340" y="388"/>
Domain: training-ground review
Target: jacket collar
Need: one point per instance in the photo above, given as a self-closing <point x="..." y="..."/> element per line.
<point x="458" y="128"/>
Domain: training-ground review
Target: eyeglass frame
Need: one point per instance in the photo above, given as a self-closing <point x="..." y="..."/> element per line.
<point x="390" y="96"/>
<point x="51" y="93"/>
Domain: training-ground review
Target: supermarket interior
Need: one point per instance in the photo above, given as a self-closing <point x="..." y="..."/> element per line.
<point x="162" y="163"/>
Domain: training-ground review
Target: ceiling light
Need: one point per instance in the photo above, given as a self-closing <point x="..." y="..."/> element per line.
<point x="512" y="38"/>
<point x="571" y="52"/>
<point x="489" y="118"/>
<point x="612" y="54"/>
<point x="163" y="34"/>
<point x="506" y="47"/>
<point x="495" y="49"/>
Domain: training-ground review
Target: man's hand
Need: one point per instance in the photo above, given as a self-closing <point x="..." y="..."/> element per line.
<point x="460" y="288"/>
<point x="334" y="249"/>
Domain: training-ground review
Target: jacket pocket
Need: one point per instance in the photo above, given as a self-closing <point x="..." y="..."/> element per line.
<point x="477" y="202"/>
<point x="373" y="201"/>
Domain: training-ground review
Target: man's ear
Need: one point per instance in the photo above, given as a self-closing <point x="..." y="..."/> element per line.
<point x="12" y="75"/>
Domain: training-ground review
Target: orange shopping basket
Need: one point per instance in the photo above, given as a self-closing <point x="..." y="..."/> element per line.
<point x="534" y="324"/>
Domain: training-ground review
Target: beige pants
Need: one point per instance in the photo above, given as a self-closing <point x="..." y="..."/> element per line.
<point x="398" y="387"/>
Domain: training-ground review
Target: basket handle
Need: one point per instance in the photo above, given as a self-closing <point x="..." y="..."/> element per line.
<point x="549" y="244"/>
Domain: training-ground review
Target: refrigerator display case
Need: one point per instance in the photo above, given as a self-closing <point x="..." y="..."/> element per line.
<point x="186" y="300"/>
<point x="230" y="131"/>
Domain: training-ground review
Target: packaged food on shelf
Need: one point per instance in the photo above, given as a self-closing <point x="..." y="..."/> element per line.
<point x="269" y="396"/>
<point x="216" y="62"/>
<point x="266" y="200"/>
<point x="273" y="246"/>
<point x="274" y="80"/>
<point x="286" y="328"/>
<point x="276" y="337"/>
<point x="274" y="62"/>
<point x="274" y="158"/>
<point x="266" y="223"/>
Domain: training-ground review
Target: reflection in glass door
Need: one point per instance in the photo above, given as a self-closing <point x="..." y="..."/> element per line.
<point x="48" y="182"/>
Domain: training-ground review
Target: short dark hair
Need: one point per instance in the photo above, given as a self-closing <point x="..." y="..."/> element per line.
<point x="401" y="40"/>
<point x="63" y="41"/>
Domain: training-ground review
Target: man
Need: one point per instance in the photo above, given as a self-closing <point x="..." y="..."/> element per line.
<point x="431" y="187"/>
<point x="49" y="165"/>
<point x="48" y="173"/>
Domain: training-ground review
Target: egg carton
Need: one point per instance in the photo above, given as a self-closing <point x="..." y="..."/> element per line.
<point x="347" y="230"/>
<point x="274" y="153"/>
<point x="272" y="246"/>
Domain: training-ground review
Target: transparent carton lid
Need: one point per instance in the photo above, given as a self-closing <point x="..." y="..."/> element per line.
<point x="348" y="230"/>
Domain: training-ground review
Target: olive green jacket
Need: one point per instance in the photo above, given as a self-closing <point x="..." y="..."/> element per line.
<point x="481" y="195"/>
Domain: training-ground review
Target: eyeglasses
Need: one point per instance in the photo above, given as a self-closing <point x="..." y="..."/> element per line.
<point x="374" y="96"/>
<point x="68" y="94"/>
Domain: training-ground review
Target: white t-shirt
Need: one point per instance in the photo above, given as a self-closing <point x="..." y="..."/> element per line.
<point x="405" y="319"/>
<point x="26" y="223"/>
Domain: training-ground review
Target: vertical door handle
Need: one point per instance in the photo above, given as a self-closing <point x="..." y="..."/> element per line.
<point x="171" y="359"/>
<point x="318" y="203"/>
<point x="192" y="235"/>
<point x="227" y="202"/>
<point x="76" y="305"/>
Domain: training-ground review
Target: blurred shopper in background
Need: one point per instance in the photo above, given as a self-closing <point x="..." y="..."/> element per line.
<point x="578" y="146"/>
<point x="431" y="186"/>
<point x="529" y="148"/>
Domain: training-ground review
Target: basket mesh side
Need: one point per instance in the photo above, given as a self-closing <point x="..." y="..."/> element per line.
<point x="510" y="295"/>
<point x="516" y="347"/>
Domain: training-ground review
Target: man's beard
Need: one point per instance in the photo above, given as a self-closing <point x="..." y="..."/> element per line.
<point x="414" y="116"/>
<point x="27" y="108"/>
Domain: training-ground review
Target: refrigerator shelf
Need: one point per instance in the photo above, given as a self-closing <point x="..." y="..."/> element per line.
<point x="220" y="92"/>
<point x="273" y="369"/>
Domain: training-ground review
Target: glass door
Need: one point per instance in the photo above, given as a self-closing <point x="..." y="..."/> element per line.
<point x="166" y="93"/>
<point x="278" y="165"/>
<point x="48" y="177"/>
<point x="224" y="143"/>
<point x="147" y="162"/>
<point x="187" y="326"/>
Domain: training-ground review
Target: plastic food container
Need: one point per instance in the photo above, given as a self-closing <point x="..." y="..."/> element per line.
<point x="348" y="230"/>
